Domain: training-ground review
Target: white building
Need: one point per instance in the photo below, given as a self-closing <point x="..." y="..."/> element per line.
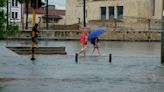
<point x="15" y="11"/>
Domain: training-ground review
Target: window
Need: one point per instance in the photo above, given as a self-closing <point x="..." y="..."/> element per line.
<point x="14" y="3"/>
<point x="120" y="11"/>
<point x="14" y="15"/>
<point x="111" y="12"/>
<point x="103" y="12"/>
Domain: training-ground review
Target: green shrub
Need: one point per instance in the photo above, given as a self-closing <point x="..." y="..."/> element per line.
<point x="2" y="24"/>
<point x="12" y="30"/>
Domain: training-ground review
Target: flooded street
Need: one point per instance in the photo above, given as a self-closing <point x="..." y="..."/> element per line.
<point x="106" y="47"/>
<point x="135" y="67"/>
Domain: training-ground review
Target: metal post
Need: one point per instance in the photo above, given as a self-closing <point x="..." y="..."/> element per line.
<point x="33" y="35"/>
<point x="26" y="3"/>
<point x="7" y="14"/>
<point x="110" y="58"/>
<point x="33" y="17"/>
<point x="162" y="35"/>
<point x="47" y="15"/>
<point x="76" y="58"/>
<point x="84" y="14"/>
<point x="22" y="16"/>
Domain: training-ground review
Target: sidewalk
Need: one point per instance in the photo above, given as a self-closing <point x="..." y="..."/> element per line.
<point x="6" y="52"/>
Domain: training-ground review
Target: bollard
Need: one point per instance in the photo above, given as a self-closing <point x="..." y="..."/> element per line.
<point x="76" y="58"/>
<point x="33" y="54"/>
<point x="110" y="58"/>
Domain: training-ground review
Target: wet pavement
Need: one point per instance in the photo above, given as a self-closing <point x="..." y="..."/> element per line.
<point x="135" y="67"/>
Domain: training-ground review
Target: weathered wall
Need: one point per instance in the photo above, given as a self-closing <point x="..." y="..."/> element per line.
<point x="114" y="35"/>
<point x="132" y="8"/>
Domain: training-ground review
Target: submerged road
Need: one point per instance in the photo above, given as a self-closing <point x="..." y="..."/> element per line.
<point x="135" y="67"/>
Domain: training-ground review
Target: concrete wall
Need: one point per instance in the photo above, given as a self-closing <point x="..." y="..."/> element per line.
<point x="75" y="35"/>
<point x="138" y="8"/>
<point x="158" y="9"/>
<point x="62" y="21"/>
<point x="71" y="12"/>
<point x="39" y="20"/>
<point x="131" y="8"/>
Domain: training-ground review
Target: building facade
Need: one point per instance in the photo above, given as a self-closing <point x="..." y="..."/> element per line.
<point x="55" y="16"/>
<point x="109" y="9"/>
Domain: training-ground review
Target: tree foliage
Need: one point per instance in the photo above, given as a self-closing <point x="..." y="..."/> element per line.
<point x="2" y="17"/>
<point x="2" y="3"/>
<point x="12" y="28"/>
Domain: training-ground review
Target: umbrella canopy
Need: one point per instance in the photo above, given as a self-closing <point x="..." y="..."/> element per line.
<point x="95" y="33"/>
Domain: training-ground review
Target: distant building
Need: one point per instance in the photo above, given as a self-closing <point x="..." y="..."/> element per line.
<point x="51" y="6"/>
<point x="109" y="9"/>
<point x="55" y="16"/>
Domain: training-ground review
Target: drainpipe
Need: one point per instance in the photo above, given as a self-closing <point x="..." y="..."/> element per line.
<point x="7" y="14"/>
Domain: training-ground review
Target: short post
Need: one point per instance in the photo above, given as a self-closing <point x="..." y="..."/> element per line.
<point x="33" y="45"/>
<point x="110" y="58"/>
<point x="33" y="54"/>
<point x="76" y="58"/>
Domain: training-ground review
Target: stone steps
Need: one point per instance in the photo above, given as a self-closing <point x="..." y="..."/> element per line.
<point x="40" y="50"/>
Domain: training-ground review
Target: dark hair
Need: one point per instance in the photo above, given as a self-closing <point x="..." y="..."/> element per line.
<point x="36" y="25"/>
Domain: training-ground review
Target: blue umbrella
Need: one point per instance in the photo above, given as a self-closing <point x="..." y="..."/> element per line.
<point x="95" y="33"/>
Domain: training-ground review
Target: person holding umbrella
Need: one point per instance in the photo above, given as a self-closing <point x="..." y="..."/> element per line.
<point x="35" y="29"/>
<point x="93" y="38"/>
<point x="95" y="43"/>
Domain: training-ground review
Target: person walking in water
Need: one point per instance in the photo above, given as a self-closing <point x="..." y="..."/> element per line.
<point x="93" y="38"/>
<point x="35" y="29"/>
<point x="95" y="42"/>
<point x="83" y="41"/>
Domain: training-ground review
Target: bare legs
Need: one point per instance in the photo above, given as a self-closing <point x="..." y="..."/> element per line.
<point x="96" y="48"/>
<point x="83" y="50"/>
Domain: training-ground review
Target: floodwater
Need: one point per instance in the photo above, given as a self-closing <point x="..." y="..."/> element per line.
<point x="106" y="47"/>
<point x="135" y="67"/>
